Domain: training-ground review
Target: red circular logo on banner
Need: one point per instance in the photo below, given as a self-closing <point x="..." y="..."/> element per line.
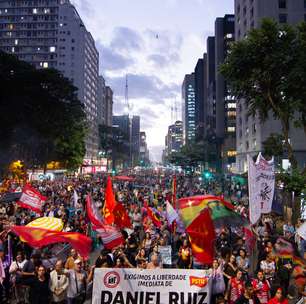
<point x="111" y="279"/>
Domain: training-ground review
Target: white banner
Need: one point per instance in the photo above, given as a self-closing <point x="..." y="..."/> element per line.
<point x="159" y="286"/>
<point x="261" y="180"/>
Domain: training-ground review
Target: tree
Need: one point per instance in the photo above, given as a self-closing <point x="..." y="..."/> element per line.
<point x="267" y="70"/>
<point x="273" y="145"/>
<point x="41" y="118"/>
<point x="115" y="140"/>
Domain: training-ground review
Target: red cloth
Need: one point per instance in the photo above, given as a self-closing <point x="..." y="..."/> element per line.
<point x="236" y="290"/>
<point x="275" y="301"/>
<point x="202" y="235"/>
<point x="262" y="290"/>
<point x="31" y="199"/>
<point x="110" y="236"/>
<point x="110" y="202"/>
<point x="37" y="238"/>
<point x="93" y="213"/>
<point x="153" y="216"/>
<point x="121" y="218"/>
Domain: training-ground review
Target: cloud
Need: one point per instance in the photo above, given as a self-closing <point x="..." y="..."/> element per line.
<point x="162" y="61"/>
<point x="144" y="86"/>
<point x="164" y="41"/>
<point x="126" y="39"/>
<point x="85" y="7"/>
<point x="111" y="60"/>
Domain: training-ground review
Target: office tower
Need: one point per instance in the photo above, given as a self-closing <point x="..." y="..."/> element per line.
<point x="199" y="99"/>
<point x="101" y="101"/>
<point x="135" y="125"/>
<point x="108" y="117"/>
<point x="188" y="108"/>
<point x="250" y="131"/>
<point x="143" y="151"/>
<point x="51" y="34"/>
<point x="225" y="103"/>
<point x="174" y="138"/>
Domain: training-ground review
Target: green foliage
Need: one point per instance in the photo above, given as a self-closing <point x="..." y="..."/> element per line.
<point x="41" y="118"/>
<point x="267" y="70"/>
<point x="294" y="181"/>
<point x="273" y="145"/>
<point x="189" y="156"/>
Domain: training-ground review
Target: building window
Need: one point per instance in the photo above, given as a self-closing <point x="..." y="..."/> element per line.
<point x="254" y="128"/>
<point x="247" y="145"/>
<point x="35" y="11"/>
<point x="282" y="3"/>
<point x="231" y="153"/>
<point x="45" y="65"/>
<point x="282" y="18"/>
<point x="231" y="129"/>
<point x="254" y="143"/>
<point x="52" y="49"/>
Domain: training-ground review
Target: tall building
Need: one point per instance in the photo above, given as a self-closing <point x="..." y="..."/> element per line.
<point x="122" y="122"/>
<point x="199" y="99"/>
<point x="101" y="101"/>
<point x="250" y="131"/>
<point x="225" y="102"/>
<point x="51" y="34"/>
<point x="188" y="108"/>
<point x="135" y="132"/>
<point x="108" y="114"/>
<point x="130" y="130"/>
<point x="143" y="151"/>
<point x="174" y="138"/>
<point x="210" y="85"/>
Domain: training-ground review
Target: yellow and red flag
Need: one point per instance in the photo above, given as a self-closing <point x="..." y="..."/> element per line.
<point x="202" y="235"/>
<point x="38" y="237"/>
<point x="110" y="203"/>
<point x="221" y="210"/>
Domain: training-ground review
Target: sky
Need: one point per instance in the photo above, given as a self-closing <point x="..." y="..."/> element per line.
<point x="155" y="43"/>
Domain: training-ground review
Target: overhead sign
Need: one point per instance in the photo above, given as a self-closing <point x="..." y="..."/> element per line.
<point x="158" y="286"/>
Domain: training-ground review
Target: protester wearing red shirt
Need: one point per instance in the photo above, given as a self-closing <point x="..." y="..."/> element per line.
<point x="279" y="298"/>
<point x="262" y="288"/>
<point x="235" y="288"/>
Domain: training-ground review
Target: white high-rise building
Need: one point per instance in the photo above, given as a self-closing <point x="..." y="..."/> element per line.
<point x="51" y="34"/>
<point x="250" y="132"/>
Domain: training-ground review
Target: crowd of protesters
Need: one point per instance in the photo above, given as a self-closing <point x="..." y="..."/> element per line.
<point x="240" y="273"/>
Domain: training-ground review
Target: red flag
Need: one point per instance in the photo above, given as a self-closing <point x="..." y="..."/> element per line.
<point x="93" y="213"/>
<point x="110" y="236"/>
<point x="202" y="235"/>
<point x="250" y="239"/>
<point x="110" y="202"/>
<point x="122" y="219"/>
<point x="153" y="216"/>
<point x="38" y="237"/>
<point x="31" y="199"/>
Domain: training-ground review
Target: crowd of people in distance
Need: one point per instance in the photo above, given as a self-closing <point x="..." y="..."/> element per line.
<point x="240" y="273"/>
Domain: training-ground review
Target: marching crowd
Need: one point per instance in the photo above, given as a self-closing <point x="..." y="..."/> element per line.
<point x="244" y="270"/>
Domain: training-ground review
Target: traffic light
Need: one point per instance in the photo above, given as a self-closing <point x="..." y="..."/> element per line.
<point x="207" y="175"/>
<point x="113" y="172"/>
